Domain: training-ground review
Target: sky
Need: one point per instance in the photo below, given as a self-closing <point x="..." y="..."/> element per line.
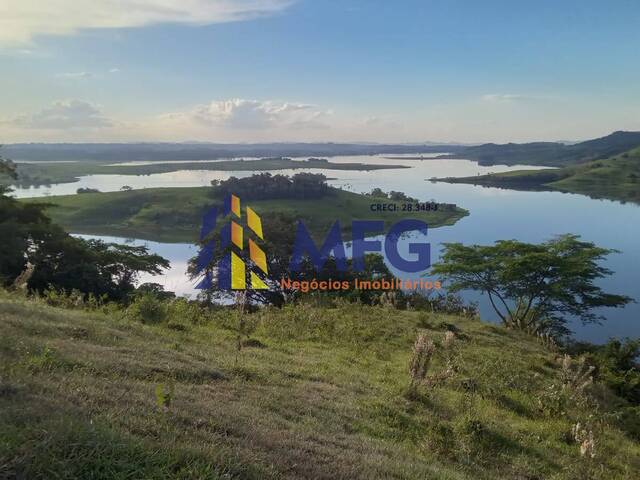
<point x="318" y="70"/>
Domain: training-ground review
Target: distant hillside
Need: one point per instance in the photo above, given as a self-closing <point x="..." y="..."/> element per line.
<point x="615" y="178"/>
<point x="115" y="152"/>
<point x="551" y="153"/>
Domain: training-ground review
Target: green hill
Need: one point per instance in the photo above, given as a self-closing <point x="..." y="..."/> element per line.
<point x="314" y="393"/>
<point x="615" y="178"/>
<point x="550" y="153"/>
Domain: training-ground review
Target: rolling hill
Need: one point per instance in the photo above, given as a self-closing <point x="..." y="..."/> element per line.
<point x="615" y="178"/>
<point x="550" y="153"/>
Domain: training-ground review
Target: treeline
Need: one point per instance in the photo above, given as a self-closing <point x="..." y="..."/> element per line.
<point x="265" y="186"/>
<point x="403" y="197"/>
<point x="392" y="195"/>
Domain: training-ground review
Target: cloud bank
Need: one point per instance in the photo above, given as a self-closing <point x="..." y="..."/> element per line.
<point x="22" y="20"/>
<point x="63" y="115"/>
<point x="242" y="114"/>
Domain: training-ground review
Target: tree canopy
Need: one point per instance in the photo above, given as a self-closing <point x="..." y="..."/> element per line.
<point x="267" y="186"/>
<point x="31" y="242"/>
<point x="534" y="287"/>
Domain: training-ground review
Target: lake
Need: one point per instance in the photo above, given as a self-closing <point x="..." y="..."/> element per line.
<point x="494" y="214"/>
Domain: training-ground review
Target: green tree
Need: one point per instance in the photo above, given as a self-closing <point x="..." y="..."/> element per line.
<point x="7" y="171"/>
<point x="533" y="287"/>
<point x="91" y="266"/>
<point x="60" y="260"/>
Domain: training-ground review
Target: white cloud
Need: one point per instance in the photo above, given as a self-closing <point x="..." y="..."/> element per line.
<point x="74" y="75"/>
<point x="244" y="114"/>
<point x="22" y="20"/>
<point x="114" y="70"/>
<point x="377" y="122"/>
<point x="510" y="97"/>
<point x="64" y="115"/>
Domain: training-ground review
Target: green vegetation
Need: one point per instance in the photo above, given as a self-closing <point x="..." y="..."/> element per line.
<point x="175" y="214"/>
<point x="265" y="186"/>
<point x="533" y="287"/>
<point x="172" y="391"/>
<point x="38" y="255"/>
<point x="616" y="178"/>
<point x="47" y="173"/>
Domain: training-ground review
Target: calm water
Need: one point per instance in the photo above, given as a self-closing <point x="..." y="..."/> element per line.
<point x="495" y="214"/>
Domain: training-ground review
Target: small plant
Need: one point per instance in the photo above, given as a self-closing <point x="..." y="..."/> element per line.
<point x="585" y="438"/>
<point x="575" y="376"/>
<point x="43" y="361"/>
<point x="423" y="349"/>
<point x="424" y="320"/>
<point x="552" y="401"/>
<point x="388" y="299"/>
<point x="441" y="439"/>
<point x="62" y="298"/>
<point x="449" y="339"/>
<point x="164" y="396"/>
<point x="451" y="354"/>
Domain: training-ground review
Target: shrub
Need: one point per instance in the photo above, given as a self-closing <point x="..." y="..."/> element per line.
<point x="182" y="311"/>
<point x="147" y="309"/>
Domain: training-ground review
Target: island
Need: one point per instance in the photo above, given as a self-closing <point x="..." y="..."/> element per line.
<point x="174" y="215"/>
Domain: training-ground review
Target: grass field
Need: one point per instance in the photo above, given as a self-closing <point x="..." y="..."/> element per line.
<point x="318" y="393"/>
<point x="48" y="173"/>
<point x="616" y="178"/>
<point x="175" y="214"/>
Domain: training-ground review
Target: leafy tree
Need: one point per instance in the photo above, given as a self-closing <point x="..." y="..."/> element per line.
<point x="91" y="266"/>
<point x="155" y="289"/>
<point x="8" y="168"/>
<point x="533" y="287"/>
<point x="60" y="260"/>
<point x="392" y="195"/>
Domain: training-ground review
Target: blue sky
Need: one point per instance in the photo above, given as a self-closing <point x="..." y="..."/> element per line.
<point x="318" y="70"/>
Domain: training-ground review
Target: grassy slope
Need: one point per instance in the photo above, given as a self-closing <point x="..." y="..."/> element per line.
<point x="325" y="397"/>
<point x="61" y="172"/>
<point x="175" y="214"/>
<point x="616" y="178"/>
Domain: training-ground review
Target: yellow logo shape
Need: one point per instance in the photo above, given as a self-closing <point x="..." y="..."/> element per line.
<point x="256" y="254"/>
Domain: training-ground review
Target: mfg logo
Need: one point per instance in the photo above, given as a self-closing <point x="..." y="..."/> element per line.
<point x="333" y="246"/>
